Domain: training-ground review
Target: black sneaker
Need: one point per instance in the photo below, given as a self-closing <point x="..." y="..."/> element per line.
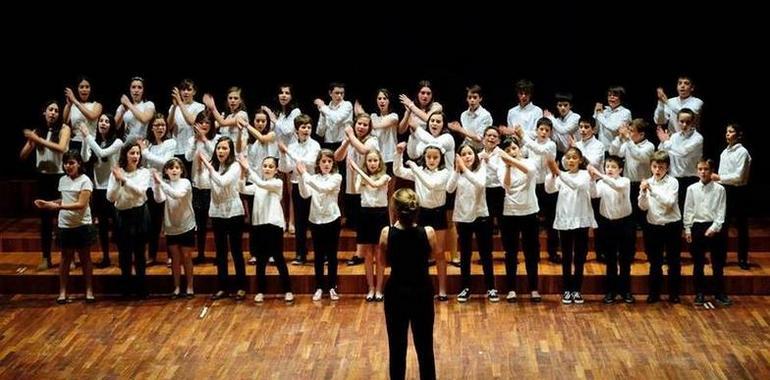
<point x="355" y="260"/>
<point x="199" y="260"/>
<point x="629" y="298"/>
<point x="464" y="295"/>
<point x="744" y="265"/>
<point x="609" y="298"/>
<point x="492" y="295"/>
<point x="566" y="298"/>
<point x="674" y="299"/>
<point x="555" y="258"/>
<point x="723" y="300"/>
<point x="103" y="264"/>
<point x="442" y="298"/>
<point x="577" y="298"/>
<point x="699" y="299"/>
<point x="454" y="263"/>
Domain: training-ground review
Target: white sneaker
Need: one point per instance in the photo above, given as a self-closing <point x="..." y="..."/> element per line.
<point x="289" y="297"/>
<point x="259" y="298"/>
<point x="511" y="297"/>
<point x="333" y="295"/>
<point x="317" y="295"/>
<point x="577" y="298"/>
<point x="566" y="298"/>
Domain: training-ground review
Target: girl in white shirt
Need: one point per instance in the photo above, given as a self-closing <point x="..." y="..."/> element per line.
<point x="226" y="213"/>
<point x="76" y="233"/>
<point x="81" y="109"/>
<point x="134" y="113"/>
<point x="178" y="221"/>
<point x="181" y="117"/>
<point x="372" y="182"/>
<point x="203" y="142"/>
<point x="266" y="239"/>
<point x="520" y="216"/>
<point x="49" y="142"/>
<point x="574" y="215"/>
<point x="472" y="218"/>
<point x="102" y="151"/>
<point x="127" y="190"/>
<point x="617" y="224"/>
<point x="157" y="148"/>
<point x="490" y="154"/>
<point x="231" y="125"/>
<point x="323" y="189"/>
<point x="430" y="185"/>
<point x="261" y="144"/>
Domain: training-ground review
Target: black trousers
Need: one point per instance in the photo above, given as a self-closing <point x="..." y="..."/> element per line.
<point x="405" y="306"/>
<point x="737" y="216"/>
<point x="548" y="210"/>
<point x="573" y="241"/>
<point x="156" y="222"/>
<point x="266" y="242"/>
<point x="620" y="246"/>
<point x="668" y="237"/>
<point x="201" y="203"/>
<point x="527" y="226"/>
<point x="717" y="245"/>
<point x="47" y="189"/>
<point x="131" y="231"/>
<point x="104" y="211"/>
<point x="482" y="228"/>
<point x="229" y="230"/>
<point x="301" y="214"/>
<point x="326" y="239"/>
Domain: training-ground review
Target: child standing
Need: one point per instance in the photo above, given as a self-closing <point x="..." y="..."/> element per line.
<point x="574" y="216"/>
<point x="704" y="216"/>
<point x="323" y="189"/>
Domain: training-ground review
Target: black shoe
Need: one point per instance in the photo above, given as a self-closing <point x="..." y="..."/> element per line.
<point x="555" y="258"/>
<point x="609" y="298"/>
<point x="431" y="262"/>
<point x="674" y="299"/>
<point x="174" y="295"/>
<point x="723" y="300"/>
<point x="355" y="260"/>
<point x="653" y="298"/>
<point x="629" y="298"/>
<point x="199" y="260"/>
<point x="744" y="265"/>
<point x="601" y="258"/>
<point x="218" y="295"/>
<point x="442" y="298"/>
<point x="699" y="299"/>
<point x="103" y="264"/>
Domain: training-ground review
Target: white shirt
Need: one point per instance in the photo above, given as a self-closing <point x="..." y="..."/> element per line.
<point x="373" y="196"/>
<point x="661" y="201"/>
<point x="476" y="122"/>
<point x="184" y="131"/>
<point x="685" y="150"/>
<point x="593" y="151"/>
<point x="705" y="203"/>
<point x="135" y="129"/>
<point x="615" y="194"/>
<point x="734" y="165"/>
<point x="520" y="197"/>
<point x="421" y="139"/>
<point x="233" y="131"/>
<point x="304" y="151"/>
<point x="387" y="137"/>
<point x="430" y="186"/>
<point x="608" y="122"/>
<point x="200" y="176"/>
<point x="493" y="165"/>
<point x="156" y="155"/>
<point x="48" y="161"/>
<point x="322" y="189"/>
<point x="637" y="157"/>
<point x="284" y="127"/>
<point x="257" y="151"/>
<point x="527" y="117"/>
<point x="267" y="199"/>
<point x="225" y="201"/>
<point x="70" y="192"/>
<point x="178" y="210"/>
<point x="563" y="128"/>
<point x="471" y="197"/>
<point x="106" y="159"/>
<point x="133" y="193"/>
<point x="333" y="120"/>
<point x="539" y="151"/>
<point x="665" y="113"/>
<point x="573" y="206"/>
<point x="353" y="154"/>
<point x="77" y="117"/>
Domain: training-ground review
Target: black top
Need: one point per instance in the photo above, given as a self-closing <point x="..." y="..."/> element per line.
<point x="408" y="254"/>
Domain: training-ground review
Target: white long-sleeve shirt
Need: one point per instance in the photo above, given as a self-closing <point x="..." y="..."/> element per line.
<point x="705" y="203"/>
<point x="685" y="150"/>
<point x="388" y="136"/>
<point x="184" y="131"/>
<point x="527" y="117"/>
<point x="573" y="206"/>
<point x="493" y="165"/>
<point x="476" y="122"/>
<point x="178" y="215"/>
<point x="107" y="158"/>
<point x="593" y="151"/>
<point x="333" y="120"/>
<point x="734" y="165"/>
<point x="133" y="193"/>
<point x="199" y="175"/>
<point x="303" y="151"/>
<point x="322" y="189"/>
<point x="520" y="196"/>
<point x="661" y="200"/>
<point x="608" y="121"/>
<point x="563" y="128"/>
<point x="156" y="155"/>
<point x="429" y="185"/>
<point x="539" y="151"/>
<point x="471" y="197"/>
<point x="421" y="139"/>
<point x="637" y="157"/>
<point x="225" y="201"/>
<point x="665" y="113"/>
<point x="284" y="127"/>
<point x="371" y="143"/>
<point x="267" y="199"/>
<point x="615" y="194"/>
<point x="373" y="196"/>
